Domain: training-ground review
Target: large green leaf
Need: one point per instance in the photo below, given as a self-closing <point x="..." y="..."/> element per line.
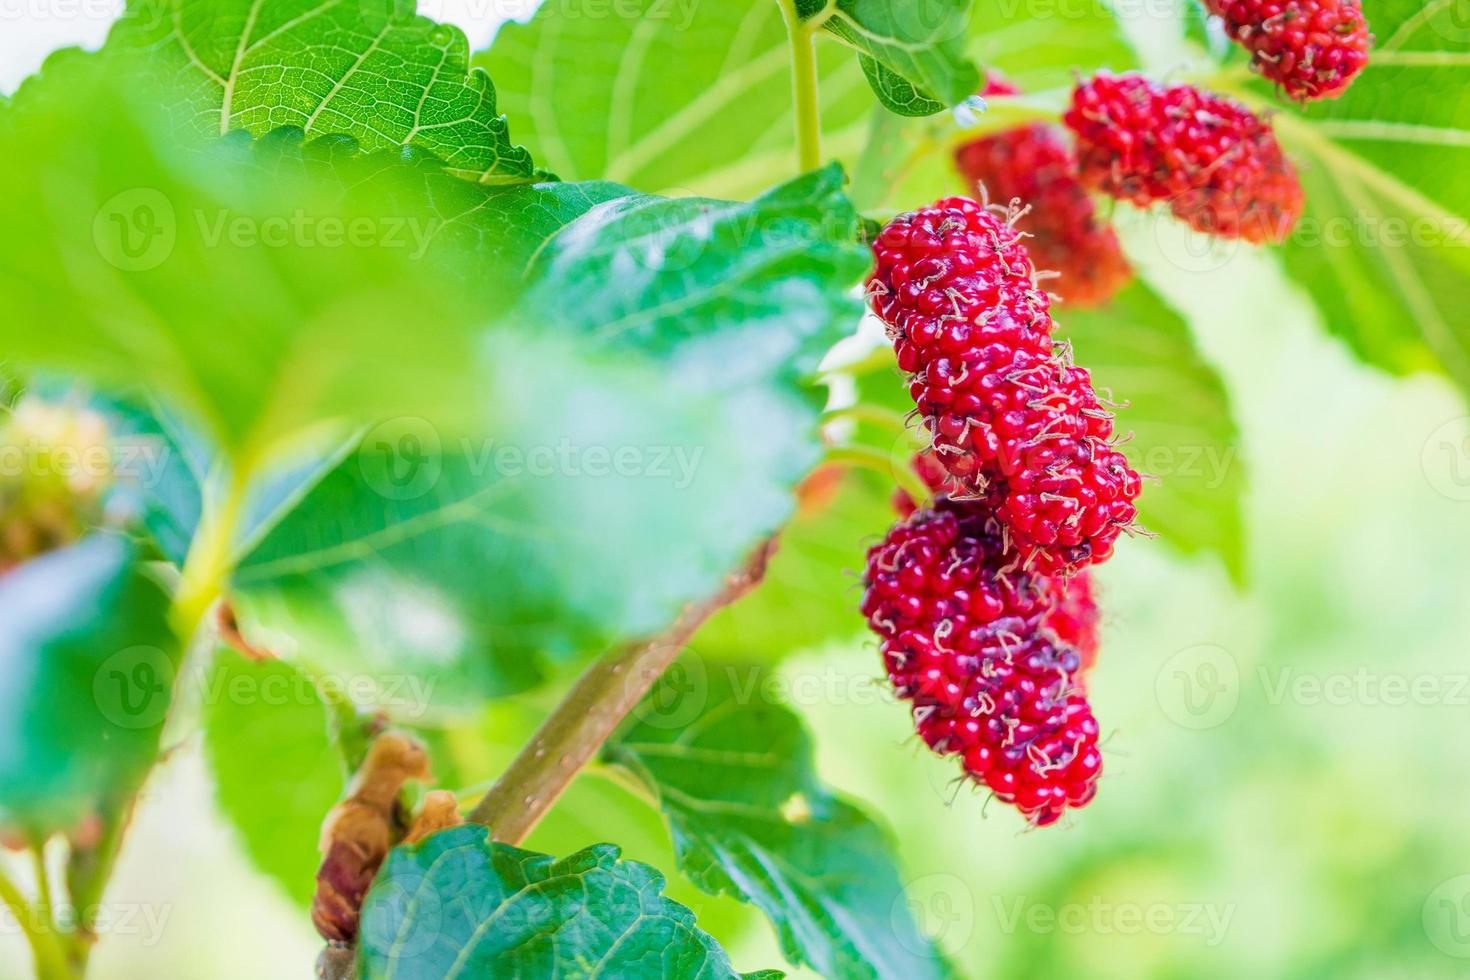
<point x="694" y="98"/>
<point x="370" y="70"/>
<point x="912" y="51"/>
<point x="592" y="471"/>
<point x="276" y="765"/>
<point x="1383" y="247"/>
<point x="86" y="678"/>
<point x="220" y="272"/>
<point x="457" y="905"/>
<point x="1174" y="404"/>
<point x="733" y="773"/>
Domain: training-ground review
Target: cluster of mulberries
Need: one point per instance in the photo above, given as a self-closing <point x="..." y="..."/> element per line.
<point x="972" y="642"/>
<point x="1034" y="165"/>
<point x="1215" y="162"/>
<point x="1312" y="49"/>
<point x="981" y="598"/>
<point x="1013" y="421"/>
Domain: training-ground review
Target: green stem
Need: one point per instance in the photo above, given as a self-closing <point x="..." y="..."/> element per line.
<point x="876" y="414"/>
<point x="591" y="712"/>
<point x="50" y="961"/>
<point x="808" y="110"/>
<point x="877" y="461"/>
<point x="43" y="882"/>
<point x="208" y="563"/>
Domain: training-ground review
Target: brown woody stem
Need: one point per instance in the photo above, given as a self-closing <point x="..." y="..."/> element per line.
<point x="592" y="711"/>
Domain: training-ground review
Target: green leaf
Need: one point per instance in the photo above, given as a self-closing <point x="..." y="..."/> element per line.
<point x="913" y="51"/>
<point x="1039" y="53"/>
<point x="202" y="267"/>
<point x="809" y="594"/>
<point x="160" y="465"/>
<point x="662" y="461"/>
<point x="1383" y="246"/>
<point x="675" y="99"/>
<point x="457" y="905"/>
<point x="277" y="768"/>
<point x="733" y="773"/>
<point x="372" y="70"/>
<point x="1174" y="403"/>
<point x="86" y="677"/>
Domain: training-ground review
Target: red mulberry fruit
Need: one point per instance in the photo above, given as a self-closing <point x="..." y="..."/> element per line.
<point x="962" y="639"/>
<point x="1012" y="421"/>
<point x="1216" y="163"/>
<point x="1035" y="165"/>
<point x="1312" y="49"/>
<point x="1073" y="618"/>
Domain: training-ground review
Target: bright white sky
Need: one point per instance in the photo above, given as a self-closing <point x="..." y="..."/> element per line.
<point x="32" y="29"/>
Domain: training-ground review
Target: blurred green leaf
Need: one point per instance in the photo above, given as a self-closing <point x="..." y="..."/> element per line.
<point x="221" y="273"/>
<point x="912" y="51"/>
<point x="160" y="466"/>
<point x="277" y="768"/>
<point x="87" y="667"/>
<point x="734" y="775"/>
<point x="1174" y="403"/>
<point x="371" y="70"/>
<point x="457" y="903"/>
<point x="694" y="100"/>
<point x="811" y="587"/>
<point x="662" y="469"/>
<point x="1383" y="247"/>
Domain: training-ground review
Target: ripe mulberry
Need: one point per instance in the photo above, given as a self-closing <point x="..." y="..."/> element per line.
<point x="1216" y="163"/>
<point x="1312" y="49"/>
<point x="1035" y="165"/>
<point x="1012" y="420"/>
<point x="1073" y="618"/>
<point x="962" y="639"/>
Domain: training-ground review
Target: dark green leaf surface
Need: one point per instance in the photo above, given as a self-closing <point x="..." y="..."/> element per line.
<point x="733" y="773"/>
<point x="277" y="769"/>
<point x="1383" y="247"/>
<point x="913" y="52"/>
<point x="457" y="905"/>
<point x="373" y="71"/>
<point x="86" y="677"/>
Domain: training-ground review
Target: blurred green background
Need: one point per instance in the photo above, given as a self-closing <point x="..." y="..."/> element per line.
<point x="1284" y="790"/>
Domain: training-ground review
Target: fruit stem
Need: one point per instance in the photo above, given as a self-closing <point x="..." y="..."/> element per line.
<point x="808" y="110"/>
<point x="50" y="961"/>
<point x="208" y="563"/>
<point x="868" y="458"/>
<point x="592" y="711"/>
